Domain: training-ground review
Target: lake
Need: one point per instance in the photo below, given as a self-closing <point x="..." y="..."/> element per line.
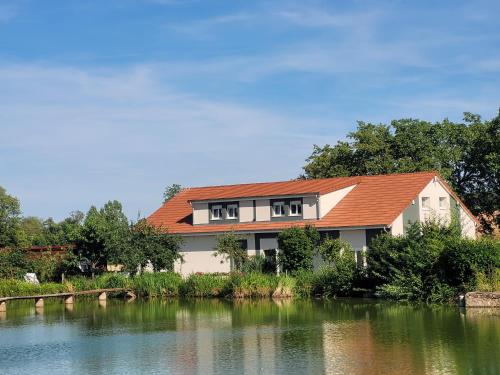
<point x="247" y="337"/>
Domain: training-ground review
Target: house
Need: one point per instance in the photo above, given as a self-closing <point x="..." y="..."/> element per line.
<point x="353" y="208"/>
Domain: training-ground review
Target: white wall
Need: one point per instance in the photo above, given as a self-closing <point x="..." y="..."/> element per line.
<point x="434" y="190"/>
<point x="309" y="208"/>
<point x="397" y="226"/>
<point x="467" y="224"/>
<point x="262" y="210"/>
<point x="330" y="200"/>
<point x="198" y="256"/>
<point x="246" y="211"/>
<point x="200" y="213"/>
<point x="356" y="237"/>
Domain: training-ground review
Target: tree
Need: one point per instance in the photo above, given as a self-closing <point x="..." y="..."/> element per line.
<point x="103" y="236"/>
<point x="331" y="250"/>
<point x="466" y="154"/>
<point x="229" y="246"/>
<point x="149" y="243"/>
<point x="11" y="234"/>
<point x="171" y="191"/>
<point x="297" y="247"/>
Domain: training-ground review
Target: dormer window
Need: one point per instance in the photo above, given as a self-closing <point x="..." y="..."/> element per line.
<point x="216" y="212"/>
<point x="232" y="211"/>
<point x="295" y="208"/>
<point x="278" y="209"/>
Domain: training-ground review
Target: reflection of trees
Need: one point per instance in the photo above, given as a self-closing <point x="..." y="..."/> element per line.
<point x="250" y="336"/>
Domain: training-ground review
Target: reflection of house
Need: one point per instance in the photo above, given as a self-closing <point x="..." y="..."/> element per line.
<point x="353" y="208"/>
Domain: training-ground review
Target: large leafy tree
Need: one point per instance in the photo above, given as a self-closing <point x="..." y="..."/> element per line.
<point x="104" y="235"/>
<point x="150" y="244"/>
<point x="466" y="154"/>
<point x="11" y="234"/>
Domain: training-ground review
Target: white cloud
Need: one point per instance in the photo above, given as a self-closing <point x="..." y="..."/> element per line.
<point x="73" y="137"/>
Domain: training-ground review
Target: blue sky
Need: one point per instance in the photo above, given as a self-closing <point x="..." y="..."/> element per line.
<point x="116" y="99"/>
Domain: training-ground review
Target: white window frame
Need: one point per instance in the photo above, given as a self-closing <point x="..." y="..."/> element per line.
<point x="282" y="210"/>
<point x="235" y="208"/>
<point x="445" y="202"/>
<point x="212" y="210"/>
<point x="427" y="199"/>
<point x="298" y="205"/>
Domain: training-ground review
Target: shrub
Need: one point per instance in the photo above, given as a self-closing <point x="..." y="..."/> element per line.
<point x="255" y="263"/>
<point x="297" y="247"/>
<point x="13" y="264"/>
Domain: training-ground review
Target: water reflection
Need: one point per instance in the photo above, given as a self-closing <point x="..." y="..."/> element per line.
<point x="248" y="337"/>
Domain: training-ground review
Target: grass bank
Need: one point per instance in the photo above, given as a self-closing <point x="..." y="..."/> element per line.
<point x="167" y="284"/>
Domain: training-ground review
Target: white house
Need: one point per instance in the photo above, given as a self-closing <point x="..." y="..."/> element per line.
<point x="353" y="208"/>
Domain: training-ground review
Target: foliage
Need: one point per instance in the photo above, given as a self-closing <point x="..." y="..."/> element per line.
<point x="171" y="191"/>
<point x="229" y="246"/>
<point x="160" y="284"/>
<point x="46" y="266"/>
<point x="431" y="262"/>
<point x="205" y="285"/>
<point x="331" y="250"/>
<point x="148" y="243"/>
<point x="10" y="230"/>
<point x="103" y="236"/>
<point x="14" y="287"/>
<point x="13" y="264"/>
<point x="255" y="263"/>
<point x="38" y="232"/>
<point x="466" y="154"/>
<point x="297" y="247"/>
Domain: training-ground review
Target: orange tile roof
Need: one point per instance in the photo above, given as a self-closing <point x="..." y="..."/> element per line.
<point x="375" y="201"/>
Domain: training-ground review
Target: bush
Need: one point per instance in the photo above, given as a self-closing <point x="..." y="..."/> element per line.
<point x="431" y="263"/>
<point x="297" y="247"/>
<point x="304" y="280"/>
<point x="251" y="285"/>
<point x="13" y="264"/>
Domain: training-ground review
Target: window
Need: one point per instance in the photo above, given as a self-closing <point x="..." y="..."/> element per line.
<point x="278" y="209"/>
<point x="232" y="211"/>
<point x="217" y="212"/>
<point x="426" y="202"/>
<point x="295" y="208"/>
<point x="443" y="202"/>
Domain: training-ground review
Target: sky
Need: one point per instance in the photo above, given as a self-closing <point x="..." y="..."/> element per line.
<point x="117" y="99"/>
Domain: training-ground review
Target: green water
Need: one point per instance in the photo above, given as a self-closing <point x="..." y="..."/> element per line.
<point x="247" y="337"/>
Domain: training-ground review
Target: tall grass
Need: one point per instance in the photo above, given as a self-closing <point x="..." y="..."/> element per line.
<point x="13" y="287"/>
<point x="205" y="285"/>
<point x="161" y="284"/>
<point x="169" y="284"/>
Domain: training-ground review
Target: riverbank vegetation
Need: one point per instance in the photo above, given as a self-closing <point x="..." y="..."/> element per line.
<point x="430" y="263"/>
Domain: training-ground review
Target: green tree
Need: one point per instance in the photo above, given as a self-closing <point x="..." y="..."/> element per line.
<point x="297" y="246"/>
<point x="466" y="154"/>
<point x="331" y="250"/>
<point x="171" y="191"/>
<point x="103" y="236"/>
<point x="149" y="243"/>
<point x="11" y="234"/>
<point x="229" y="246"/>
